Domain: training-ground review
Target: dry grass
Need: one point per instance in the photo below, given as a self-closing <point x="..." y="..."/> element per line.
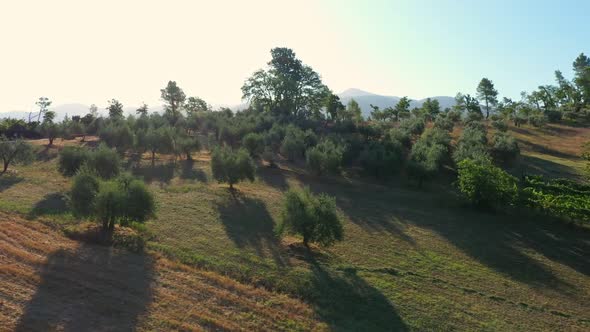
<point x="49" y="282"/>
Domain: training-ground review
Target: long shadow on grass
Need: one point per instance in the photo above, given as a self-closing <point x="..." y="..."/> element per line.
<point x="273" y="177"/>
<point x="535" y="165"/>
<point x="188" y="171"/>
<point x="159" y="172"/>
<point x="347" y="302"/>
<point x="51" y="204"/>
<point x="248" y="224"/>
<point x="497" y="241"/>
<point x="7" y="181"/>
<point x="90" y="288"/>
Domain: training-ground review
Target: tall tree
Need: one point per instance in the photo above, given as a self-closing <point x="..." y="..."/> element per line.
<point x="334" y="107"/>
<point x="142" y="110"/>
<point x="43" y="104"/>
<point x="431" y="107"/>
<point x="487" y="93"/>
<point x="115" y="109"/>
<point x="353" y="111"/>
<point x="174" y="97"/>
<point x="196" y="104"/>
<point x="402" y="108"/>
<point x="287" y="86"/>
<point x="581" y="67"/>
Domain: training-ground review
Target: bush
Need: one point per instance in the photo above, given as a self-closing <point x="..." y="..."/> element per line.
<point x="125" y="201"/>
<point x="325" y="157"/>
<point x="230" y="166"/>
<point x="293" y="145"/>
<point x="71" y="159"/>
<point x="500" y="125"/>
<point x="401" y="136"/>
<point x="85" y="187"/>
<point x="485" y="185"/>
<point x="428" y="154"/>
<point x="254" y="143"/>
<point x="118" y="136"/>
<point x="413" y="126"/>
<point x="104" y="162"/>
<point x="187" y="145"/>
<point x="505" y="147"/>
<point x="312" y="217"/>
<point x="382" y="160"/>
<point x="472" y="143"/>
<point x="444" y="123"/>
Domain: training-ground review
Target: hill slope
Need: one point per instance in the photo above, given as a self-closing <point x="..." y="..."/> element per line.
<point x="49" y="282"/>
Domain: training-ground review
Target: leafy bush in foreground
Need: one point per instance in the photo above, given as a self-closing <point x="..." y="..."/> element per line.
<point x="485" y="185"/>
<point x="325" y="157"/>
<point x="71" y="159"/>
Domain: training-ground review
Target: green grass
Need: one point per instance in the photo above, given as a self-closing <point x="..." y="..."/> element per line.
<point x="411" y="259"/>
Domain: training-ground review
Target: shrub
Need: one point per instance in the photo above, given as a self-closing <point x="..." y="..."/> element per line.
<point x="254" y="143"/>
<point x="85" y="187"/>
<point x="313" y="217"/>
<point x="382" y="160"/>
<point x="325" y="157"/>
<point x="105" y="162"/>
<point x="71" y="159"/>
<point x="230" y="166"/>
<point x="428" y="154"/>
<point x="500" y="125"/>
<point x="413" y="126"/>
<point x="505" y="147"/>
<point x="485" y="185"/>
<point x="187" y="145"/>
<point x="472" y="143"/>
<point x="444" y="123"/>
<point x="139" y="202"/>
<point x="118" y="136"/>
<point x="401" y="136"/>
<point x="293" y="145"/>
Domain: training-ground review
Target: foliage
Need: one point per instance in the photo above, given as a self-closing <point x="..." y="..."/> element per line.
<point x="287" y="87"/>
<point x="71" y="159"/>
<point x="428" y="154"/>
<point x="293" y="145"/>
<point x="485" y="185"/>
<point x="326" y="157"/>
<point x="561" y="198"/>
<point x="14" y="152"/>
<point x="104" y="162"/>
<point x="313" y="217"/>
<point x="412" y="126"/>
<point x="472" y="143"/>
<point x="229" y="166"/>
<point x="254" y="143"/>
<point x="487" y="93"/>
<point x="382" y="159"/>
<point x="117" y="135"/>
<point x="505" y="147"/>
<point x="115" y="109"/>
<point x="85" y="186"/>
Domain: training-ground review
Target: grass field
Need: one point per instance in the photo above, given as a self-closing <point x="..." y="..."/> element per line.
<point x="411" y="259"/>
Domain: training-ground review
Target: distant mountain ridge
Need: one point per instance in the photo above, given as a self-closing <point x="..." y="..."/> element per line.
<point x="366" y="99"/>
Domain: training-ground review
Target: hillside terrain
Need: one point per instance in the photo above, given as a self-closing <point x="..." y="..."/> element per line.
<point x="412" y="259"/>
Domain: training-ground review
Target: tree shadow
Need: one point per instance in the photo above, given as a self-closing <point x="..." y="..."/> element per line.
<point x="52" y="204"/>
<point x="9" y="180"/>
<point x="46" y="154"/>
<point x="347" y="302"/>
<point x="534" y="165"/>
<point x="188" y="172"/>
<point x="547" y="150"/>
<point x="274" y="177"/>
<point x="500" y="242"/>
<point x="150" y="173"/>
<point x="90" y="288"/>
<point x="248" y="224"/>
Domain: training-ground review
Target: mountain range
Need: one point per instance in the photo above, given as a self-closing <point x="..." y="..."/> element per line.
<point x="363" y="98"/>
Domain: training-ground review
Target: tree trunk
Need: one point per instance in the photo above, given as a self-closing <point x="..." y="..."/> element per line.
<point x="153" y="157"/>
<point x="487" y="110"/>
<point x="188" y="156"/>
<point x="231" y="186"/>
<point x="306" y="242"/>
<point x="51" y="141"/>
<point x="5" y="167"/>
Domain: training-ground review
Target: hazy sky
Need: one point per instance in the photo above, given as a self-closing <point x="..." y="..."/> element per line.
<point x="92" y="51"/>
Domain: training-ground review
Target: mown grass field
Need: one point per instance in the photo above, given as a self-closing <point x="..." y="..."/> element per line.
<point x="411" y="259"/>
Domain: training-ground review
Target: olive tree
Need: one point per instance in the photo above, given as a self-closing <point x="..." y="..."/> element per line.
<point x="229" y="166"/>
<point x="313" y="217"/>
<point x="14" y="152"/>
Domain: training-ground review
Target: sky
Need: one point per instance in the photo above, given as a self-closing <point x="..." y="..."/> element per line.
<point x="92" y="51"/>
